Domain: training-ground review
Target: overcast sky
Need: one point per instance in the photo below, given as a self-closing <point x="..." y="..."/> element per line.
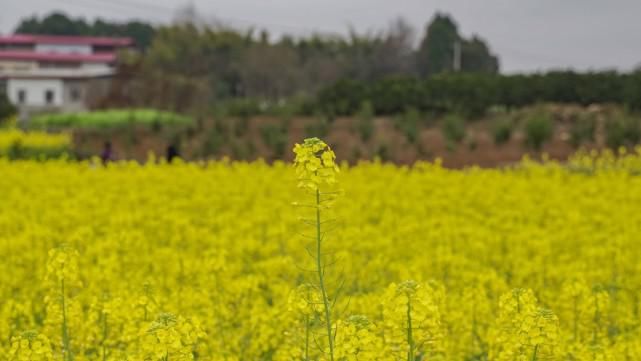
<point x="528" y="35"/>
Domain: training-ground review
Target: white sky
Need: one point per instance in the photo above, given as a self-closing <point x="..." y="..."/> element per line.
<point x="528" y="35"/>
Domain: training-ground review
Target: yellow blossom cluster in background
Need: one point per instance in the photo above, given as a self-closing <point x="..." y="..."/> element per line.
<point x="15" y="143"/>
<point x="210" y="261"/>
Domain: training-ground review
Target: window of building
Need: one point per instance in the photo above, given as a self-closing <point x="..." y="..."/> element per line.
<point x="22" y="96"/>
<point x="49" y="96"/>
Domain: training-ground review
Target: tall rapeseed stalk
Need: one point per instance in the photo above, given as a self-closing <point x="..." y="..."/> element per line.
<point x="316" y="169"/>
<point x="62" y="276"/>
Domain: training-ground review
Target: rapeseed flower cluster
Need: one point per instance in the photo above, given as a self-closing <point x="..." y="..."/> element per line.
<point x="315" y="164"/>
<point x="16" y="143"/>
<point x="357" y="339"/>
<point x="30" y="346"/>
<point x="205" y="261"/>
<point x="170" y="338"/>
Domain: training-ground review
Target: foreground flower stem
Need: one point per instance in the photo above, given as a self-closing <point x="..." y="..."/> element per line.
<point x="104" y="336"/>
<point x="321" y="278"/>
<point x="410" y="338"/>
<point x="65" y="331"/>
<point x="306" y="338"/>
<point x="536" y="349"/>
<point x="315" y="166"/>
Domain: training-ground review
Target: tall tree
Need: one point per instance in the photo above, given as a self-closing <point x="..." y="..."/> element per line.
<point x="436" y="52"/>
<point x="442" y="41"/>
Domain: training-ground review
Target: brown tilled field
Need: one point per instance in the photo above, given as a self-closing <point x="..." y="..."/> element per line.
<point x="246" y="139"/>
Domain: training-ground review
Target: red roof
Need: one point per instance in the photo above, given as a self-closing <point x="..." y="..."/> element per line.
<point x="64" y="39"/>
<point x="58" y="57"/>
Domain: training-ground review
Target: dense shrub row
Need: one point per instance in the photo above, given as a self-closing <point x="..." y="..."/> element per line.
<point x="472" y="94"/>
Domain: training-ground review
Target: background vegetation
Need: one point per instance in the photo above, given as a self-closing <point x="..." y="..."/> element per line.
<point x="108" y="118"/>
<point x="243" y="94"/>
<point x="200" y="69"/>
<point x="58" y="23"/>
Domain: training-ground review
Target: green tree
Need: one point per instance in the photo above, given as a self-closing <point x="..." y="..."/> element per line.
<point x="633" y="90"/>
<point x="436" y="52"/>
<point x="6" y="108"/>
<point x="57" y="23"/>
<point x="476" y="57"/>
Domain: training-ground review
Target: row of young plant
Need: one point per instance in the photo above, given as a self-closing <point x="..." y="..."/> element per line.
<point x="251" y="138"/>
<point x="537" y="125"/>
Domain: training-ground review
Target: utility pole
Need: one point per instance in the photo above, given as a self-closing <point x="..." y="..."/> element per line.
<point x="457" y="56"/>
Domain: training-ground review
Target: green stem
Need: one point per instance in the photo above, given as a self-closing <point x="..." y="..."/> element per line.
<point x="306" y="337"/>
<point x="104" y="336"/>
<point x="321" y="278"/>
<point x="65" y="331"/>
<point x="536" y="350"/>
<point x="597" y="320"/>
<point x="576" y="318"/>
<point x="410" y="338"/>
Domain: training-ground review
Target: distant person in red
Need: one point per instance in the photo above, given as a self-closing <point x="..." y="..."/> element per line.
<point x="107" y="154"/>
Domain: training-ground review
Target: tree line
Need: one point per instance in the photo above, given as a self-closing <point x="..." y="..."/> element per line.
<point x="189" y="65"/>
<point x="472" y="94"/>
<point x="194" y="67"/>
<point x="58" y="23"/>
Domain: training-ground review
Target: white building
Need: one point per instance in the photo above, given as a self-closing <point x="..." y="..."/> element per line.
<point x="56" y="73"/>
<point x="56" y="90"/>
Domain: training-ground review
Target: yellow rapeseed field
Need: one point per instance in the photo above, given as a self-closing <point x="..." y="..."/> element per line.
<point x="250" y="261"/>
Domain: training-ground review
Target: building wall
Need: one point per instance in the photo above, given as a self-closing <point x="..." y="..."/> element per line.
<point x="35" y="92"/>
<point x="64" y="49"/>
<point x="16" y="65"/>
<point x="69" y="95"/>
<point x="75" y="93"/>
<point x="58" y="65"/>
<point x="97" y="90"/>
<point x="104" y="66"/>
